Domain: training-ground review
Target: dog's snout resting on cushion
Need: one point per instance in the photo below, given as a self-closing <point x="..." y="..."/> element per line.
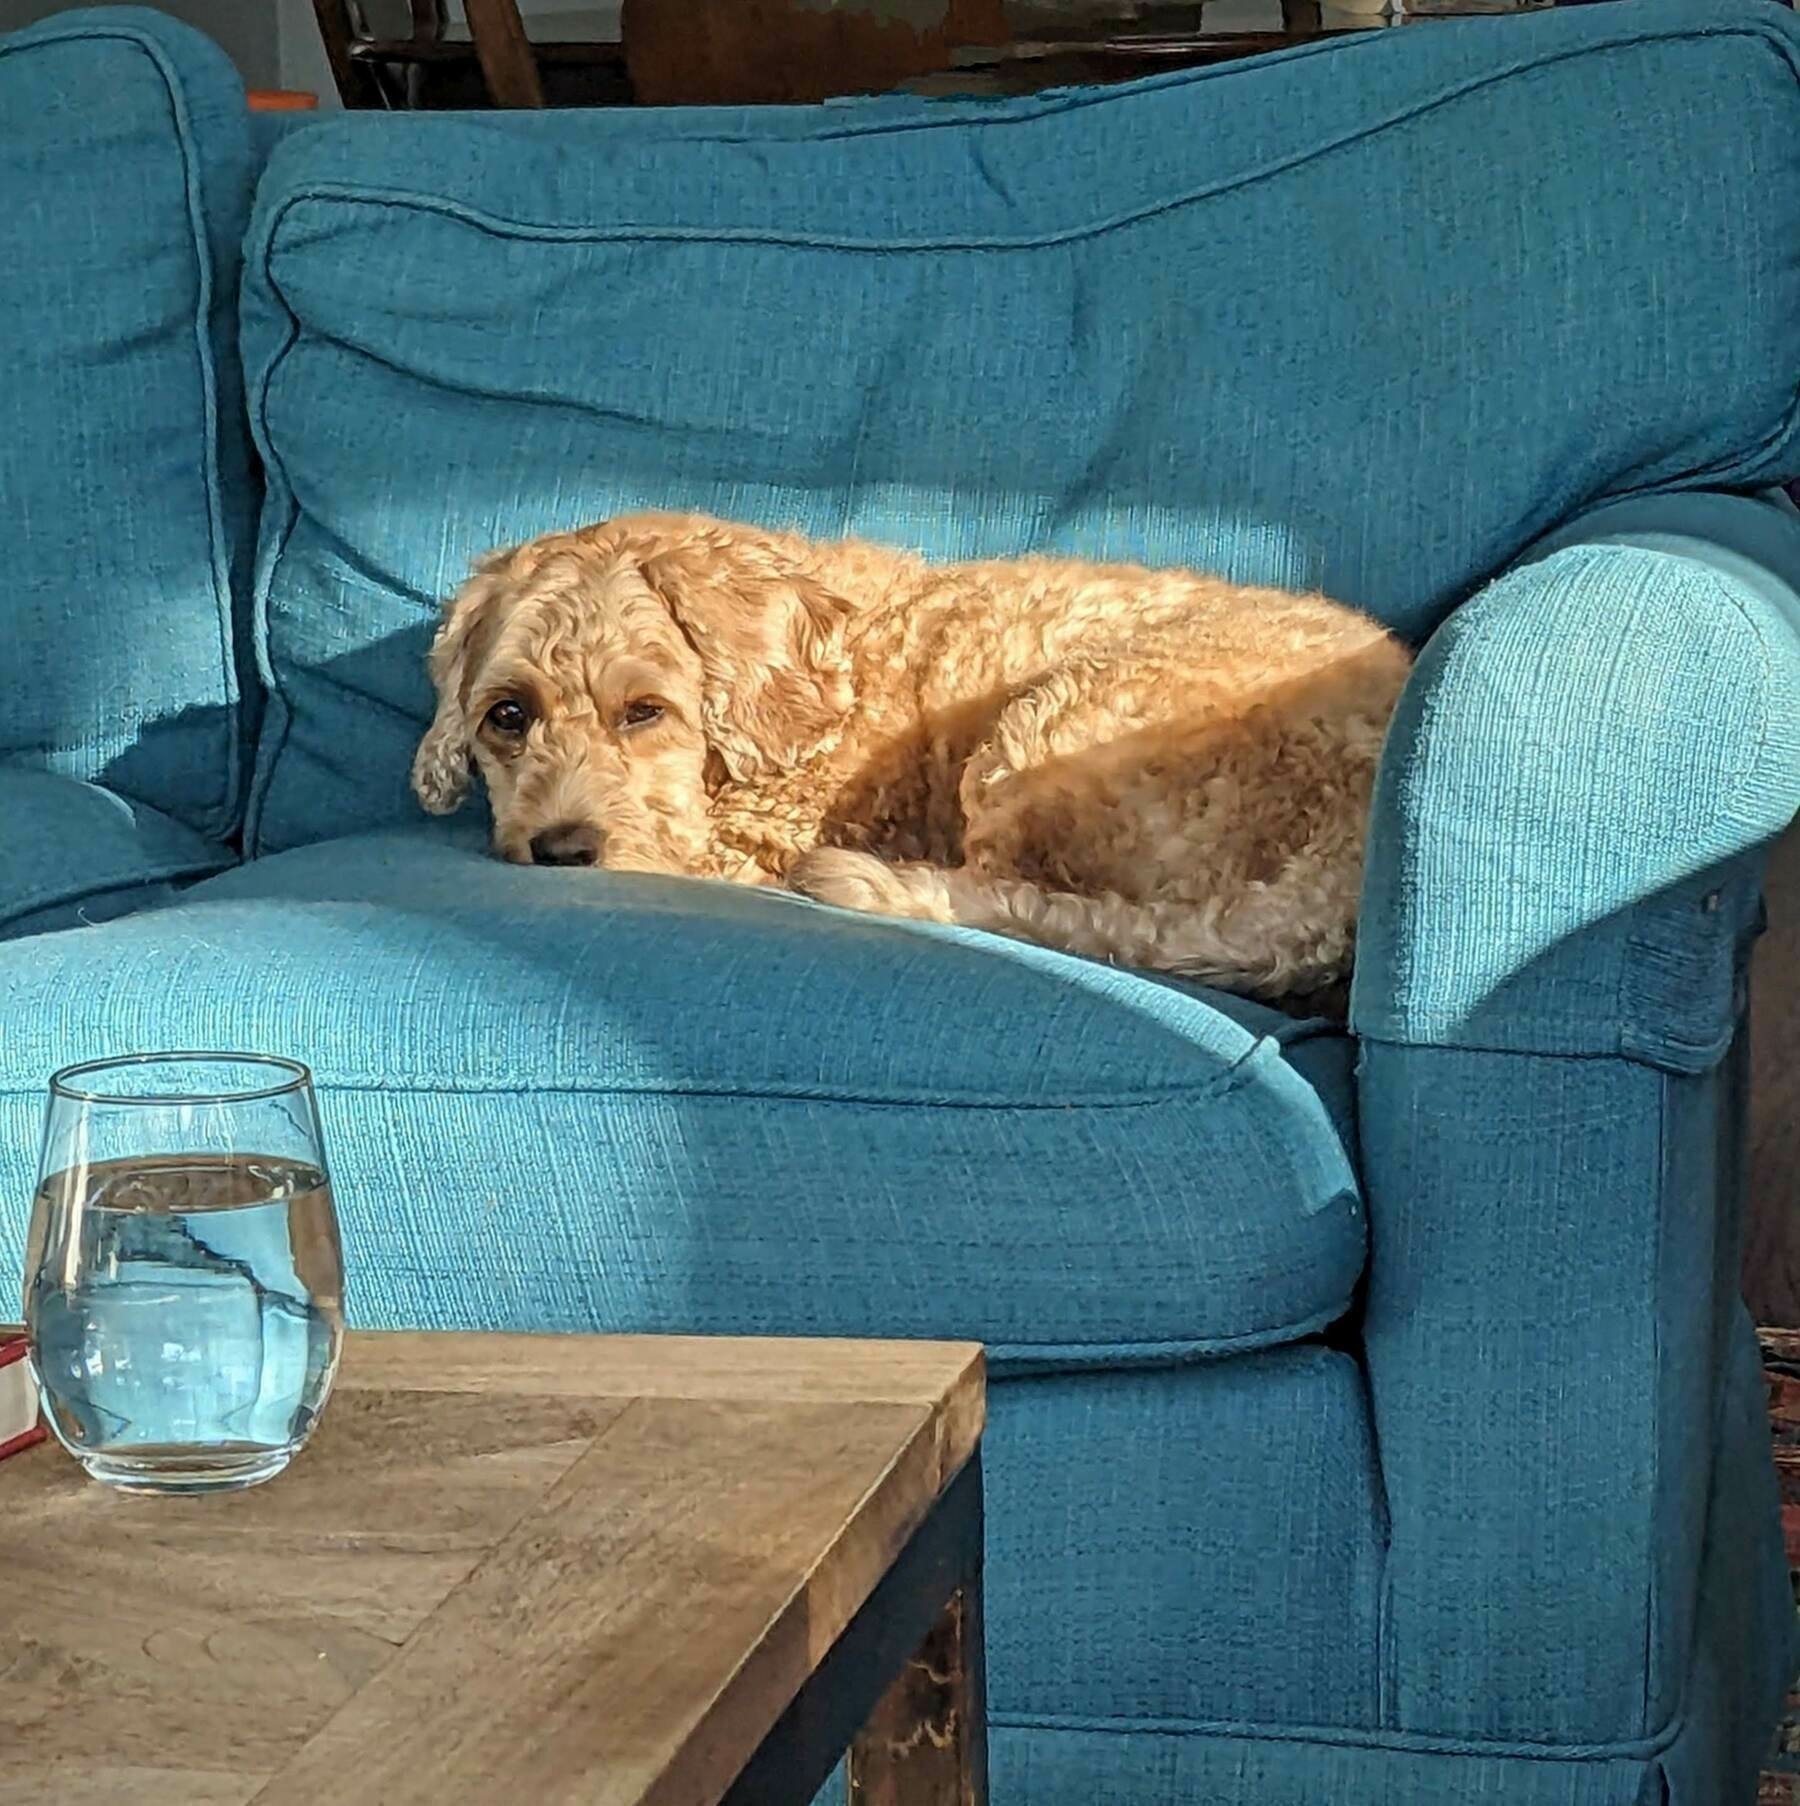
<point x="1153" y="767"/>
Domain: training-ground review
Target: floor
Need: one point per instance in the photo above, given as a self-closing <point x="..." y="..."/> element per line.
<point x="1781" y="1359"/>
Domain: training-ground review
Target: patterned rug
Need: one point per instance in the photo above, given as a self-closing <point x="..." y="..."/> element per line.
<point x="1781" y="1362"/>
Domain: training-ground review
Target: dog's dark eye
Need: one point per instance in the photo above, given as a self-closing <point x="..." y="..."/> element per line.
<point x="641" y="714"/>
<point x="508" y="717"/>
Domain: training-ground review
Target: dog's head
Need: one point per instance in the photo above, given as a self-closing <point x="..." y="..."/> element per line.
<point x="607" y="683"/>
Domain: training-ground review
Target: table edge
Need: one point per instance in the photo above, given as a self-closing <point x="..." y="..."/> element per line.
<point x="743" y="1369"/>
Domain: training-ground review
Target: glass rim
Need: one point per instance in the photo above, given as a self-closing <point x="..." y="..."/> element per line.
<point x="64" y="1083"/>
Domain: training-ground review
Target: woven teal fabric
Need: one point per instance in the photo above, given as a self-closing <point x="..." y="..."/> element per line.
<point x="1475" y="1506"/>
<point x="1534" y="1217"/>
<point x="1707" y="1755"/>
<point x="1199" y="318"/>
<point x="77" y="854"/>
<point x="1564" y="860"/>
<point x="1577" y="785"/>
<point x="700" y="1106"/>
<point x="1050" y="1765"/>
<point x="1231" y="1507"/>
<point x="125" y="174"/>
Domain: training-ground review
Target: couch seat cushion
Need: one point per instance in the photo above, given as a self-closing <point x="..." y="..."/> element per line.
<point x="125" y="177"/>
<point x="568" y="1100"/>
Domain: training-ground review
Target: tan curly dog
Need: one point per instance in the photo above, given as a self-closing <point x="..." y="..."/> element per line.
<point x="1152" y="767"/>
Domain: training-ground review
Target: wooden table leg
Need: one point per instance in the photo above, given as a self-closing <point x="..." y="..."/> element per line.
<point x="921" y="1739"/>
<point x="926" y="1743"/>
<point x="508" y="64"/>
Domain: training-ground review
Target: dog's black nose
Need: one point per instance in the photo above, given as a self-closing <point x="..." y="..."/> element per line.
<point x="568" y="843"/>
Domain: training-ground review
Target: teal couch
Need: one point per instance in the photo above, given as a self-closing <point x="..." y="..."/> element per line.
<point x="1374" y="1420"/>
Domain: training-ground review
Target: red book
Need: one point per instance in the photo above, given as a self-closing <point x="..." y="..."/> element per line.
<point x="19" y="1426"/>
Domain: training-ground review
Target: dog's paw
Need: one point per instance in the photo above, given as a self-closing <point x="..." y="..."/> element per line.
<point x="848" y="879"/>
<point x="852" y="880"/>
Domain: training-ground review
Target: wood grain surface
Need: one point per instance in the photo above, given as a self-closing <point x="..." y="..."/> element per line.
<point x="543" y="1568"/>
<point x="507" y="63"/>
<point x="926" y="1743"/>
<point x="759" y="52"/>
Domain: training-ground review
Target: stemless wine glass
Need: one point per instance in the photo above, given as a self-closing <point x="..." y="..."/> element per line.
<point x="183" y="1280"/>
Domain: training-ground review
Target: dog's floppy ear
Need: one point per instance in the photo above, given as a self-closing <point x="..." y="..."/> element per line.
<point x="440" y="772"/>
<point x="770" y="635"/>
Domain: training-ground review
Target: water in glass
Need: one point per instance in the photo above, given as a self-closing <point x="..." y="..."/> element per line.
<point x="185" y="1308"/>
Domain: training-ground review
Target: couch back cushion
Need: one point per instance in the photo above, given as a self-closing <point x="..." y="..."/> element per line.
<point x="125" y="502"/>
<point x="1368" y="316"/>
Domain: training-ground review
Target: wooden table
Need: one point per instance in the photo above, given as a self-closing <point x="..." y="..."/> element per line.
<point x="619" y="1570"/>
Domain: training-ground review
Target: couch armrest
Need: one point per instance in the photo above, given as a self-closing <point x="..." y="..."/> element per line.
<point x="1552" y="1339"/>
<point x="1566" y="844"/>
<point x="1563" y="882"/>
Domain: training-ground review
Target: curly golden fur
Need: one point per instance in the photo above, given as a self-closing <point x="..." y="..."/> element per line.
<point x="1153" y="767"/>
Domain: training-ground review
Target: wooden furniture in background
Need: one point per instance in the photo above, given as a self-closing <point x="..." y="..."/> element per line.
<point x="749" y="52"/>
<point x="754" y="52"/>
<point x="1772" y="1236"/>
<point x="620" y="1570"/>
<point x="774" y="52"/>
<point x="405" y="54"/>
<point x="280" y="100"/>
<point x="508" y="63"/>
